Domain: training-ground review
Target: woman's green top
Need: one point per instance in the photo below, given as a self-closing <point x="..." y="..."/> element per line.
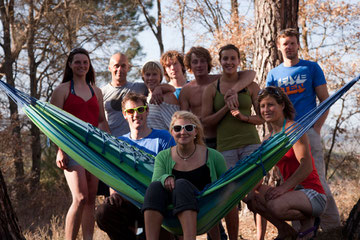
<point x="232" y="133"/>
<point x="164" y="165"/>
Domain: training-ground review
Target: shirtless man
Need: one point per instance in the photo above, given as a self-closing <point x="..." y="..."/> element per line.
<point x="199" y="62"/>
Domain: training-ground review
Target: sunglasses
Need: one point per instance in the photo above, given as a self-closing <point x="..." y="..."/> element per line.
<point x="139" y="110"/>
<point x="187" y="127"/>
<point x="271" y="91"/>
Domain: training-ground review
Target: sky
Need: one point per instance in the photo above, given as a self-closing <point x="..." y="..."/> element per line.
<point x="171" y="35"/>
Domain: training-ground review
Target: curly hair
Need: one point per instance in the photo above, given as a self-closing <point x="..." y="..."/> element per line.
<point x="172" y="55"/>
<point x="199" y="52"/>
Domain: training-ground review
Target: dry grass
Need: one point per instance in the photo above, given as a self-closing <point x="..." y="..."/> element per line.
<point x="41" y="214"/>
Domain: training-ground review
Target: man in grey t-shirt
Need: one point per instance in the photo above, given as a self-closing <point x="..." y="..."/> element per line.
<point x="114" y="92"/>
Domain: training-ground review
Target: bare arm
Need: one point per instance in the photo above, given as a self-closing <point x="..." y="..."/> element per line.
<point x="58" y="99"/>
<point x="103" y="124"/>
<point x="184" y="100"/>
<point x="254" y="91"/>
<point x="322" y="93"/>
<point x="157" y="96"/>
<point x="208" y="117"/>
<point x="58" y="96"/>
<point x="245" y="78"/>
<point x="252" y="119"/>
<point x="165" y="87"/>
<point x="170" y="98"/>
<point x="302" y="153"/>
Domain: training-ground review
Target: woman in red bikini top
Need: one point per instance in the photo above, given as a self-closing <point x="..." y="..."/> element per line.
<point x="78" y="95"/>
<point x="301" y="195"/>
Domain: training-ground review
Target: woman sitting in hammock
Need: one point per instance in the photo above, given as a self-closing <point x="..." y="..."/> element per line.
<point x="179" y="173"/>
<point x="300" y="196"/>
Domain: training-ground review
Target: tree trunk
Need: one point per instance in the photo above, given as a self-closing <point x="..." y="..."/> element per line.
<point x="156" y="28"/>
<point x="34" y="131"/>
<point x="7" y="18"/>
<point x="9" y="228"/>
<point x="351" y="229"/>
<point x="270" y="18"/>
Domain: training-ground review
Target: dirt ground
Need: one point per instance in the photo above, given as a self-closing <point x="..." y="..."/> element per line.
<point x="42" y="216"/>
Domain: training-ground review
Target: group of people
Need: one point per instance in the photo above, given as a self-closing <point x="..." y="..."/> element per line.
<point x="197" y="130"/>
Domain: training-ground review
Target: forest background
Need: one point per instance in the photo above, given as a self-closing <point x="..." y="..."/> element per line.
<point x="37" y="35"/>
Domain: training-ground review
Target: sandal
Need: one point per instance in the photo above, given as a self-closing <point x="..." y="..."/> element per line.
<point x="313" y="229"/>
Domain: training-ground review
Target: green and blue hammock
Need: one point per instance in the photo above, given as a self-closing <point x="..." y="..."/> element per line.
<point x="128" y="170"/>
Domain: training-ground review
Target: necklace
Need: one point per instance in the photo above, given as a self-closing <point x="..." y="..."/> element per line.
<point x="185" y="158"/>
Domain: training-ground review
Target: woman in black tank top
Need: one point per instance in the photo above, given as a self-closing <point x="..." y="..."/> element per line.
<point x="179" y="173"/>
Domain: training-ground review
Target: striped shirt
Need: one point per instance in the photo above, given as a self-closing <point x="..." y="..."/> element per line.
<point x="160" y="115"/>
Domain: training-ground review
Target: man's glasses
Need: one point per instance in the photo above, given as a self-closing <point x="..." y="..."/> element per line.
<point x="139" y="110"/>
<point x="187" y="127"/>
<point x="270" y="90"/>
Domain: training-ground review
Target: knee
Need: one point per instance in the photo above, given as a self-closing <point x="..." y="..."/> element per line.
<point x="182" y="184"/>
<point x="80" y="200"/>
<point x="275" y="208"/>
<point x="154" y="189"/>
<point x="156" y="186"/>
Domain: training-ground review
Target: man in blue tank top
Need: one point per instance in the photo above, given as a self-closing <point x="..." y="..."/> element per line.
<point x="304" y="81"/>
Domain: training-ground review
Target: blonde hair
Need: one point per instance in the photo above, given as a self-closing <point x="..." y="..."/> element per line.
<point x="199" y="139"/>
<point x="152" y="65"/>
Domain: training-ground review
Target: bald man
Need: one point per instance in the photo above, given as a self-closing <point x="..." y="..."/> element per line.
<point x="114" y="92"/>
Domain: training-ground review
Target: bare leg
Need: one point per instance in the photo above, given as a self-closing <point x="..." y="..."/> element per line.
<point x="214" y="232"/>
<point x="153" y="221"/>
<point x="292" y="205"/>
<point x="76" y="180"/>
<point x="232" y="223"/>
<point x="260" y="226"/>
<point x="88" y="215"/>
<point x="188" y="223"/>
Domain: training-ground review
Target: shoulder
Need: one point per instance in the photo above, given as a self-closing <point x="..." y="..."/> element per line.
<point x="254" y="88"/>
<point x="161" y="133"/>
<point x="62" y="89"/>
<point x="211" y="88"/>
<point x="247" y="73"/>
<point x="188" y="86"/>
<point x="139" y="85"/>
<point x="164" y="154"/>
<point x="125" y="136"/>
<point x="97" y="91"/>
<point x="214" y="154"/>
<point x="106" y="87"/>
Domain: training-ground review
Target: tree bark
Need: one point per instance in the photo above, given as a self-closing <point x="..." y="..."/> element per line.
<point x="11" y="48"/>
<point x="9" y="227"/>
<point x="351" y="230"/>
<point x="156" y="28"/>
<point x="270" y="18"/>
<point x="34" y="130"/>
